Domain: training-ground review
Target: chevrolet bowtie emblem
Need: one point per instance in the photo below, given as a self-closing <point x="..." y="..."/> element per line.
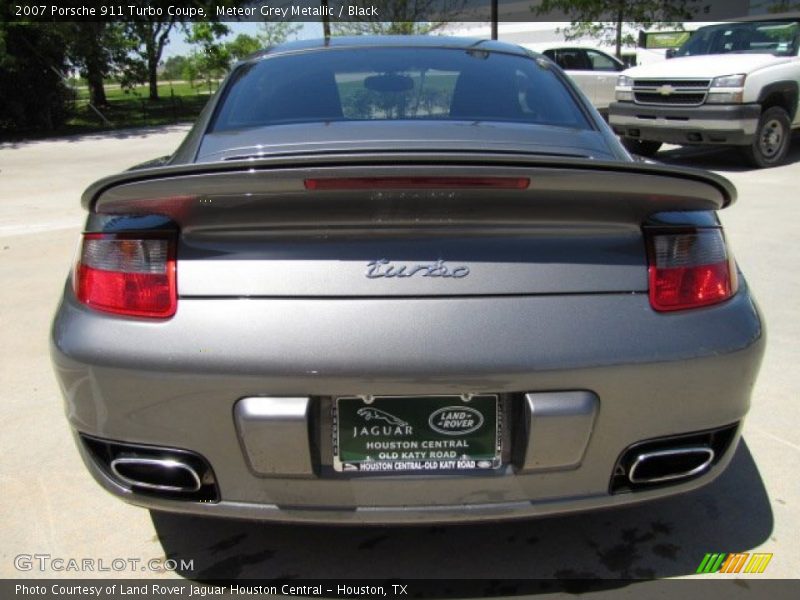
<point x="665" y="90"/>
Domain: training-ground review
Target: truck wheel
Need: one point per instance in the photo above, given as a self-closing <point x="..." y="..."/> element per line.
<point x="771" y="142"/>
<point x="641" y="147"/>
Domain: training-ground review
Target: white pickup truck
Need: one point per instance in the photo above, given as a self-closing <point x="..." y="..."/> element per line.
<point x="730" y="84"/>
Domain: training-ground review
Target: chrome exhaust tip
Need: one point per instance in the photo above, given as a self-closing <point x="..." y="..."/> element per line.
<point x="162" y="474"/>
<point x="670" y="465"/>
<point x="671" y="460"/>
<point x="168" y="473"/>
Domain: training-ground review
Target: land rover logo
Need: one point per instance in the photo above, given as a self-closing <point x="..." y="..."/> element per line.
<point x="665" y="90"/>
<point x="455" y="420"/>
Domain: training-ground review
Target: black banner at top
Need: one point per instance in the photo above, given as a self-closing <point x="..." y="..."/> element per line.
<point x="333" y="11"/>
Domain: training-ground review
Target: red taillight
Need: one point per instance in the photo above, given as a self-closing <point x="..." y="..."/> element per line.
<point x="689" y="269"/>
<point x="127" y="274"/>
<point x="417" y="183"/>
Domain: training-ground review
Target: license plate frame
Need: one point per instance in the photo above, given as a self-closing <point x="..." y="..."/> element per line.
<point x="417" y="434"/>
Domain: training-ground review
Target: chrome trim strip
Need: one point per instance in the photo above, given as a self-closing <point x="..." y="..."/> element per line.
<point x="748" y="126"/>
<point x="670" y="104"/>
<point x="675" y="82"/>
<point x="559" y="425"/>
<point x="274" y="435"/>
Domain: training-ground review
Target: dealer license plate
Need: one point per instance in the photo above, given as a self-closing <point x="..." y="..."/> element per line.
<point x="416" y="434"/>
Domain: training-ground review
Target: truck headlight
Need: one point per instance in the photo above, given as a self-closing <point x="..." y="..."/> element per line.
<point x="624" y="81"/>
<point x="623" y="91"/>
<point x="728" y="89"/>
<point x="728" y="81"/>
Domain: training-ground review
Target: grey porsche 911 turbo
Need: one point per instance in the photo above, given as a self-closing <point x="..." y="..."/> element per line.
<point x="399" y="280"/>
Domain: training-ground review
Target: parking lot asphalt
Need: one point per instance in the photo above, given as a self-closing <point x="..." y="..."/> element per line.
<point x="50" y="505"/>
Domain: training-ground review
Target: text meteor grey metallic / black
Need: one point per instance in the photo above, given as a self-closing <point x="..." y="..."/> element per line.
<point x="404" y="280"/>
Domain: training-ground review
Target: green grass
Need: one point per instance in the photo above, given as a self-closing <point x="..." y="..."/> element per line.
<point x="178" y="102"/>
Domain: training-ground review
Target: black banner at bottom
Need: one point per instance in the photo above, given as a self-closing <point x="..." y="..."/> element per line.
<point x="129" y="589"/>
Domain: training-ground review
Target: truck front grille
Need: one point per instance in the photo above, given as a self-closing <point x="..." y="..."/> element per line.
<point x="671" y="92"/>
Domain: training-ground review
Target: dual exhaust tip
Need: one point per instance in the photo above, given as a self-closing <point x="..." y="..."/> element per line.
<point x="171" y="475"/>
<point x="176" y="475"/>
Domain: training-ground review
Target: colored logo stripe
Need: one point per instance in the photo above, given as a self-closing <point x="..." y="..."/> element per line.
<point x="711" y="563"/>
<point x="721" y="562"/>
<point x="758" y="563"/>
<point x="734" y="562"/>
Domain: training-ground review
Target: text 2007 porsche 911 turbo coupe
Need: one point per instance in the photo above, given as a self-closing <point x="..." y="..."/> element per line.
<point x="403" y="280"/>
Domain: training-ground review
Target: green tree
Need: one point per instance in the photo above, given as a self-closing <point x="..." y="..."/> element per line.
<point x="208" y="36"/>
<point x="97" y="49"/>
<point x="386" y="27"/>
<point x="214" y="56"/>
<point x="173" y="68"/>
<point x="402" y="17"/>
<point x="151" y="33"/>
<point x="783" y="6"/>
<point x="243" y="45"/>
<point x="33" y="60"/>
<point x="152" y="36"/>
<point x="603" y="20"/>
<point x="276" y="32"/>
<point x="191" y="69"/>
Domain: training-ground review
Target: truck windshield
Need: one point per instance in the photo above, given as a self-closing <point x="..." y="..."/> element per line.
<point x="758" y="37"/>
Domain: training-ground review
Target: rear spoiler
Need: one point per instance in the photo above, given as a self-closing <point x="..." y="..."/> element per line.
<point x="571" y="188"/>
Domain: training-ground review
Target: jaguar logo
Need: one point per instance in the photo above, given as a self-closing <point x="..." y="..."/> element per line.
<point x="393" y="426"/>
<point x="369" y="414"/>
<point x="385" y="268"/>
<point x="455" y="420"/>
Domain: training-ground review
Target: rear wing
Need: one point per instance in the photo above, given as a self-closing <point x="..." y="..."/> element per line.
<point x="275" y="190"/>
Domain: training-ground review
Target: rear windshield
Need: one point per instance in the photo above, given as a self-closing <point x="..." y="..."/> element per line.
<point x="759" y="37"/>
<point x="376" y="84"/>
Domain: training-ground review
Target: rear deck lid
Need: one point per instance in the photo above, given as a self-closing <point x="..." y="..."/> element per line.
<point x="424" y="224"/>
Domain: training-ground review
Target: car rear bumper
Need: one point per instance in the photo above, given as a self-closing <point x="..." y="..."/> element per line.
<point x="401" y="514"/>
<point x="176" y="384"/>
<point x="734" y="124"/>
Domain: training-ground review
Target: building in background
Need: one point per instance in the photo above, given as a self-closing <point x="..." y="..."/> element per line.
<point x="653" y="44"/>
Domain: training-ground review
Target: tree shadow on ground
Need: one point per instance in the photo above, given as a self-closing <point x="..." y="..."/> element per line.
<point x="112" y="134"/>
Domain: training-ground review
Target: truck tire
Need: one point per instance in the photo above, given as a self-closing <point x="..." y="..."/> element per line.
<point x="772" y="139"/>
<point x="641" y="147"/>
